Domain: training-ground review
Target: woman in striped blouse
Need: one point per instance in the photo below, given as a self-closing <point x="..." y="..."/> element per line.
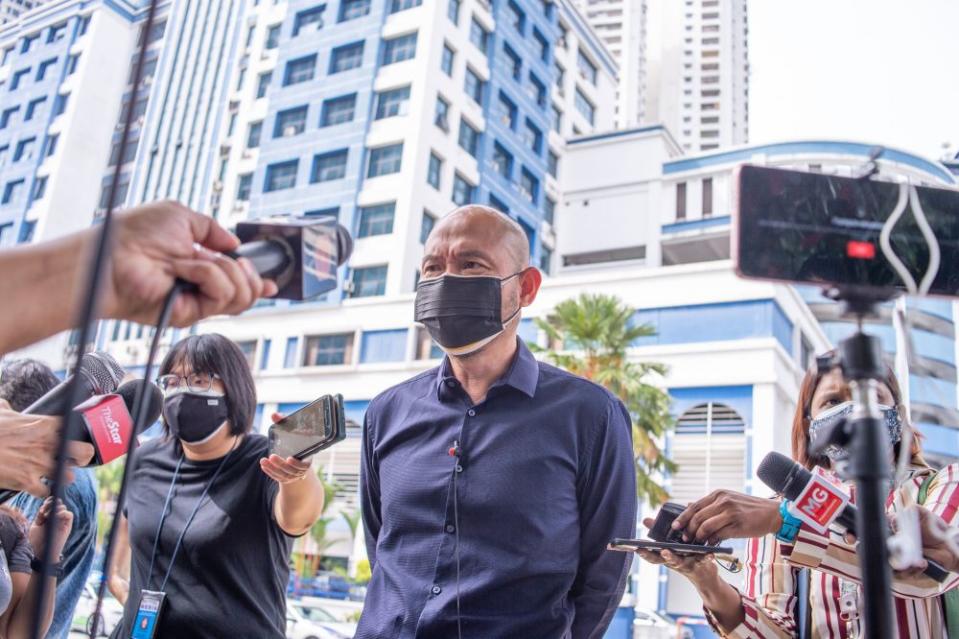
<point x="768" y="606"/>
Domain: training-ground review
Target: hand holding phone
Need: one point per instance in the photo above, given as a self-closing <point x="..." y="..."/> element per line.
<point x="313" y="428"/>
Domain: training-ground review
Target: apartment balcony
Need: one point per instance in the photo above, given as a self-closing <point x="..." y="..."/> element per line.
<point x="702" y="240"/>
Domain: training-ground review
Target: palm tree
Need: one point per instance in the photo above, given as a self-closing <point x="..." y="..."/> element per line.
<point x="590" y="336"/>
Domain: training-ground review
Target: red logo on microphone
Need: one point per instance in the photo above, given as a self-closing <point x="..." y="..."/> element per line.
<point x="109" y="424"/>
<point x="819" y="504"/>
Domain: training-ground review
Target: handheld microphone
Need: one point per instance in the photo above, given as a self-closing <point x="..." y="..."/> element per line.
<point x="99" y="374"/>
<point x="816" y="501"/>
<point x="108" y="424"/>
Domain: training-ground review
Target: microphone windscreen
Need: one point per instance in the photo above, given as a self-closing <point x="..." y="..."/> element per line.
<point x="344" y="245"/>
<point x="102" y="371"/>
<point x="153" y="395"/>
<point x="774" y="470"/>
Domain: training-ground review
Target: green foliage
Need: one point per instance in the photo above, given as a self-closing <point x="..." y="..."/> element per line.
<point x="591" y="336"/>
<point x="363" y="572"/>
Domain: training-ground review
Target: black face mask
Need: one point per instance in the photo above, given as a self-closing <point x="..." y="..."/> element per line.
<point x="194" y="417"/>
<point x="462" y="314"/>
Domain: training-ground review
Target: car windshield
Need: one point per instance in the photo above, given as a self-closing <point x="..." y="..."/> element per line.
<point x="314" y="614"/>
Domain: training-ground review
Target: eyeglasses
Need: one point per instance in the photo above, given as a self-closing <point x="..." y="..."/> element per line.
<point x="196" y="382"/>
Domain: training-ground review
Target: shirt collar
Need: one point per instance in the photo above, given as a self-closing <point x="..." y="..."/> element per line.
<point x="523" y="374"/>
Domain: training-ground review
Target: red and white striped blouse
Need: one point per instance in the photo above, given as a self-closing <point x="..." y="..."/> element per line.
<point x="772" y="571"/>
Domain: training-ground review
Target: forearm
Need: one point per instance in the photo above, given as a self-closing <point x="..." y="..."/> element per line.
<point x="299" y="504"/>
<point x="22" y="617"/>
<point x="724" y="602"/>
<point x="43" y="289"/>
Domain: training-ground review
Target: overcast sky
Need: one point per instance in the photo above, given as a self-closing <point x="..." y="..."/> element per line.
<point x="877" y="71"/>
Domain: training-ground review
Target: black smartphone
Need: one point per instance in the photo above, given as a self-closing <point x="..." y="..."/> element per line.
<point x="313" y="428"/>
<point x="812" y="228"/>
<point x="632" y="545"/>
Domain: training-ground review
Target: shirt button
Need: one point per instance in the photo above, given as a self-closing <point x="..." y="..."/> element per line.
<point x="436" y="590"/>
<point x="450" y="528"/>
<point x="471" y="413"/>
<point x="459" y="468"/>
<point x="451" y="383"/>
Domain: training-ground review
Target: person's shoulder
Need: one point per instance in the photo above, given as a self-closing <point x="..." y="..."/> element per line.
<point x="82" y="491"/>
<point x="579" y="389"/>
<point x="255" y="446"/>
<point x="414" y="387"/>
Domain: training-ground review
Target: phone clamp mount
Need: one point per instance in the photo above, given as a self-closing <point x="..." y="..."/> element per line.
<point x="864" y="434"/>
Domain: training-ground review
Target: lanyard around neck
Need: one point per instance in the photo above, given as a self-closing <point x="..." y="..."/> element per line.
<point x="164" y="512"/>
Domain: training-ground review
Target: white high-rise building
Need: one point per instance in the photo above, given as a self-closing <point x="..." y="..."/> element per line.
<point x="621" y="25"/>
<point x="11" y="9"/>
<point x="698" y="71"/>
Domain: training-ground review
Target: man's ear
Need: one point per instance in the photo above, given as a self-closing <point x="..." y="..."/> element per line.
<point x="529" y="281"/>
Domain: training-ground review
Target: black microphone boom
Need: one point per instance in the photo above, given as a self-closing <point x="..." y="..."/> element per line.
<point x="787" y="478"/>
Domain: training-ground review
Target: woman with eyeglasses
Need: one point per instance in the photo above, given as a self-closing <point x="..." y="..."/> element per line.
<point x="210" y="516"/>
<point x="783" y="553"/>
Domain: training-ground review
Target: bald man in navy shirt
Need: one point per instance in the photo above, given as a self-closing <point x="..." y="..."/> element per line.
<point x="492" y="484"/>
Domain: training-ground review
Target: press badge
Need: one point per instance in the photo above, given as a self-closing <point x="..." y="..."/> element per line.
<point x="148" y="614"/>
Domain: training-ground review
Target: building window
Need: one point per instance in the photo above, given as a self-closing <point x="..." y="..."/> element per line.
<point x="463" y="191"/>
<point x="250" y="32"/>
<point x="244" y="184"/>
<point x="442" y="114"/>
<point x="587" y="70"/>
<point x="552" y="164"/>
<point x="24" y="149"/>
<point x="426" y="348"/>
<point x="353" y="9"/>
<point x="329" y="166"/>
<point x="392" y="103"/>
<point x="681" y="201"/>
<point x="402" y="5"/>
<point x="515" y="16"/>
<point x="446" y="64"/>
<point x="333" y="212"/>
<point x="32" y="106"/>
<point x="309" y="17"/>
<point x="290" y="122"/>
<point x="426" y="226"/>
<point x="338" y="110"/>
<point x="300" y="70"/>
<point x="39" y="188"/>
<point x="253" y="135"/>
<point x="263" y="83"/>
<point x="502" y="161"/>
<point x="537" y="90"/>
<point x="707" y="197"/>
<point x="506" y="112"/>
<point x="328" y="350"/>
<point x="51" y="145"/>
<point x="533" y="137"/>
<point x="545" y="259"/>
<point x="557" y="120"/>
<point x="385" y="160"/>
<point x="369" y="281"/>
<point x="281" y="176"/>
<point x="549" y="209"/>
<point x="11" y="192"/>
<point x="28" y="43"/>
<point x="560" y="78"/>
<point x="273" y="37"/>
<point x="497" y="204"/>
<point x="542" y="45"/>
<point x="434" y="171"/>
<point x="584" y="106"/>
<point x="22" y="73"/>
<point x="28" y="227"/>
<point x="453" y="11"/>
<point x="399" y="49"/>
<point x="72" y="62"/>
<point x="376" y="220"/>
<point x="469" y="138"/>
<point x="473" y="86"/>
<point x="346" y="57"/>
<point x="513" y="62"/>
<point x="4" y="150"/>
<point x="479" y="36"/>
<point x="528" y="186"/>
<point x="289" y="355"/>
<point x="240" y="79"/>
<point x="84" y="25"/>
<point x="60" y="103"/>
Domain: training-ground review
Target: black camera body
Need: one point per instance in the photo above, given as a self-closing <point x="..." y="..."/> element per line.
<point x="662" y="527"/>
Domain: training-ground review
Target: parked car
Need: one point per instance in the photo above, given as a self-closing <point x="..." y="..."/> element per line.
<point x="313" y="622"/>
<point x="649" y="624"/>
<point x="110" y="614"/>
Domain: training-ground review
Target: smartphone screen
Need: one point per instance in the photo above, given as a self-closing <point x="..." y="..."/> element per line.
<point x="305" y="429"/>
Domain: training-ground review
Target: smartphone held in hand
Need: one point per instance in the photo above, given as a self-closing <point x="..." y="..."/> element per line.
<point x="313" y="428"/>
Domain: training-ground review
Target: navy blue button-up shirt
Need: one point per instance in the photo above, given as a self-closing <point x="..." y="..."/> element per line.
<point x="543" y="478"/>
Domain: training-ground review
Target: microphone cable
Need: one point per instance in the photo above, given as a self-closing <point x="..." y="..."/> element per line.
<point x="87" y="316"/>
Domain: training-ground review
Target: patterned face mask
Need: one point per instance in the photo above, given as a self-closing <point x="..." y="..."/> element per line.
<point x="819" y="426"/>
